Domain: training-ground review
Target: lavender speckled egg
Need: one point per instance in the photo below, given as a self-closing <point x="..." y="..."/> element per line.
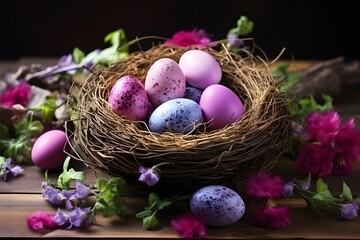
<point x="128" y="98"/>
<point x="164" y="81"/>
<point x="193" y="94"/>
<point x="217" y="205"/>
<point x="177" y="115"/>
<point x="200" y="68"/>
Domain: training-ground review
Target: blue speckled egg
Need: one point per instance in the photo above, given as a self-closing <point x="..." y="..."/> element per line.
<point x="217" y="205"/>
<point x="178" y="115"/>
<point x="193" y="93"/>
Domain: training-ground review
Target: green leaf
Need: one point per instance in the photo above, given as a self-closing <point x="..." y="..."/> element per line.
<point x="346" y="194"/>
<point x="66" y="176"/>
<point x="78" y="55"/>
<point x="153" y="199"/>
<point x="47" y="109"/>
<point x="164" y="204"/>
<point x="245" y="26"/>
<point x="143" y="214"/>
<point x="4" y="131"/>
<point x="150" y="222"/>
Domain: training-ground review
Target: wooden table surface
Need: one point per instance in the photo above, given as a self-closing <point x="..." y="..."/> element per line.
<point x="21" y="197"/>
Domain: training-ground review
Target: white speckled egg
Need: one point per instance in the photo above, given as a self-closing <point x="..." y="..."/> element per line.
<point x="193" y="94"/>
<point x="217" y="205"/>
<point x="220" y="106"/>
<point x="164" y="81"/>
<point x="177" y="115"/>
<point x="200" y="68"/>
<point x="128" y="98"/>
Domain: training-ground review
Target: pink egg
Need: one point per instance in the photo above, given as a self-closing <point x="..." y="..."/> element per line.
<point x="220" y="106"/>
<point x="200" y="68"/>
<point x="48" y="150"/>
<point x="128" y="98"/>
<point x="164" y="81"/>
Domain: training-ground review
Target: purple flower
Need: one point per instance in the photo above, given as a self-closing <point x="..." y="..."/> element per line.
<point x="51" y="194"/>
<point x="349" y="211"/>
<point x="234" y="41"/>
<point x="148" y="176"/>
<point x="79" y="217"/>
<point x="322" y="127"/>
<point x="7" y="170"/>
<point x="288" y="189"/>
<point x="81" y="191"/>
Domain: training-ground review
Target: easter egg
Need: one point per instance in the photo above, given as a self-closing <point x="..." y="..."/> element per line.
<point x="220" y="106"/>
<point x="217" y="205"/>
<point x="178" y="115"/>
<point x="48" y="150"/>
<point x="128" y="98"/>
<point x="164" y="81"/>
<point x="200" y="68"/>
<point x="193" y="94"/>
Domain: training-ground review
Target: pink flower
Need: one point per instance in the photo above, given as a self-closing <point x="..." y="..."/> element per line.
<point x="272" y="217"/>
<point x="315" y="159"/>
<point x="347" y="142"/>
<point x="264" y="185"/>
<point x="322" y="127"/>
<point x="19" y="94"/>
<point x="41" y="220"/>
<point x="188" y="226"/>
<point x="189" y="38"/>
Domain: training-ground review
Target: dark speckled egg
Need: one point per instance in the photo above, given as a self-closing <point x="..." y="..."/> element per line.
<point x="193" y="93"/>
<point x="178" y="115"/>
<point x="217" y="205"/>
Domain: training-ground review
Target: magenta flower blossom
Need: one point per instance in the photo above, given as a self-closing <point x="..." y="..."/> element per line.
<point x="272" y="217"/>
<point x="19" y="94"/>
<point x="315" y="159"/>
<point x="349" y="211"/>
<point x="188" y="227"/>
<point x="264" y="185"/>
<point x="189" y="38"/>
<point x="41" y="220"/>
<point x="7" y="170"/>
<point x="332" y="147"/>
<point x="322" y="127"/>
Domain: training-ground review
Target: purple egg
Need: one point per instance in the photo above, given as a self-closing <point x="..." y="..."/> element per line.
<point x="217" y="205"/>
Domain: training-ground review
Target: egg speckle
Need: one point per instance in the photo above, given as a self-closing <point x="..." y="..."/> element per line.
<point x="48" y="150"/>
<point x="217" y="205"/>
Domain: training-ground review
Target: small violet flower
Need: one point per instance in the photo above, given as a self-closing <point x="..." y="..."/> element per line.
<point x="151" y="176"/>
<point x="79" y="217"/>
<point x="188" y="227"/>
<point x="264" y="185"/>
<point x="7" y="170"/>
<point x="41" y="220"/>
<point x="81" y="192"/>
<point x="288" y="189"/>
<point x="189" y="38"/>
<point x="349" y="210"/>
<point x="51" y="194"/>
<point x="233" y="41"/>
<point x="272" y="217"/>
<point x="19" y="94"/>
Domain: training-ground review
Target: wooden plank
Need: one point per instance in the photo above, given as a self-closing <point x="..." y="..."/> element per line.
<point x="14" y="208"/>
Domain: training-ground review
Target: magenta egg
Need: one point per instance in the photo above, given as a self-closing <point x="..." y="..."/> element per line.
<point x="220" y="106"/>
<point x="128" y="98"/>
<point x="48" y="150"/>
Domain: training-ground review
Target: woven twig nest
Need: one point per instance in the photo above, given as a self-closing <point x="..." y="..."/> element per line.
<point x="118" y="146"/>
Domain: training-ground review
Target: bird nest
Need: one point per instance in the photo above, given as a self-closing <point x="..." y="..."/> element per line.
<point x="117" y="146"/>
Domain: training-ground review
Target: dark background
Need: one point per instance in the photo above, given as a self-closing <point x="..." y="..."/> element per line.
<point x="307" y="29"/>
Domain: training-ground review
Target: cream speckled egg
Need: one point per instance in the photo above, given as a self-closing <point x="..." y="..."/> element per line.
<point x="164" y="81"/>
